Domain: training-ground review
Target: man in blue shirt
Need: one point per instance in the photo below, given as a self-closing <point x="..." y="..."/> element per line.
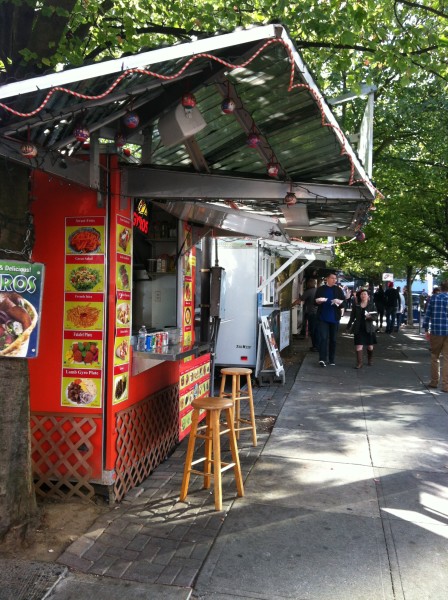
<point x="330" y="300"/>
<point x="437" y="314"/>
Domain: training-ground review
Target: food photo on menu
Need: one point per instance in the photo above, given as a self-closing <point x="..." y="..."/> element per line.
<point x="81" y="315"/>
<point x="85" y="278"/>
<point x="124" y="238"/>
<point x="120" y="387"/>
<point x="84" y="240"/>
<point x="80" y="391"/>
<point x="122" y="349"/>
<point x="123" y="277"/>
<point x="187" y="316"/>
<point x="82" y="353"/>
<point x="123" y="314"/>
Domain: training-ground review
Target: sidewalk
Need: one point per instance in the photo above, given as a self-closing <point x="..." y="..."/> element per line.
<point x="346" y="499"/>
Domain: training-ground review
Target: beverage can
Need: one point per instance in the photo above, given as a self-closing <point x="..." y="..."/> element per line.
<point x="148" y="344"/>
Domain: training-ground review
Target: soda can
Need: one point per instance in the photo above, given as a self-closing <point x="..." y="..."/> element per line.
<point x="148" y="344"/>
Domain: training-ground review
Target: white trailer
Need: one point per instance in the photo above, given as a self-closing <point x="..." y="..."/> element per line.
<point x="250" y="290"/>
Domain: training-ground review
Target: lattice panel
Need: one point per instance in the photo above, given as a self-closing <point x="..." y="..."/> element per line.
<point x="61" y="448"/>
<point x="146" y="432"/>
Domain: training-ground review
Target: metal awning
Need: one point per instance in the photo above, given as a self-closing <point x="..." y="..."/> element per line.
<point x="205" y="157"/>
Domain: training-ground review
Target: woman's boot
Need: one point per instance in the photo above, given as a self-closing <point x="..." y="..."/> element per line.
<point x="359" y="359"/>
<point x="369" y="357"/>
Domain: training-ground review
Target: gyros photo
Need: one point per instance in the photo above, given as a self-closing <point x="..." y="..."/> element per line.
<point x="18" y="318"/>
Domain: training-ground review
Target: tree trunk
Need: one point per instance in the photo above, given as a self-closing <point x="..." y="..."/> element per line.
<point x="17" y="497"/>
<point x="409" y="280"/>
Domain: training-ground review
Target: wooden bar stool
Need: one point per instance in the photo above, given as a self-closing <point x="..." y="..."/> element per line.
<point x="237" y="395"/>
<point x="212" y="432"/>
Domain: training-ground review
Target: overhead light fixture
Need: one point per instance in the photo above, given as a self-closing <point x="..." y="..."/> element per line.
<point x="175" y="126"/>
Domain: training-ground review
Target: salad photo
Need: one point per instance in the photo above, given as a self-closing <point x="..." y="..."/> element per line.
<point x="84" y="278"/>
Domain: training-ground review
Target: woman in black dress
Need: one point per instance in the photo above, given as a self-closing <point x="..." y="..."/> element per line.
<point x="363" y="324"/>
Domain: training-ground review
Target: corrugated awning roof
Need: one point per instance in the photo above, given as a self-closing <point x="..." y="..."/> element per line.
<point x="275" y="98"/>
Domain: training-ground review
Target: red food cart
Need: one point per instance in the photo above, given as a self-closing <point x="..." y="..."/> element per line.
<point x="102" y="413"/>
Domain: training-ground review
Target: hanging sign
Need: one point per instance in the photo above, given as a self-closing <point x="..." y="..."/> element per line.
<point x="388" y="276"/>
<point x="21" y="286"/>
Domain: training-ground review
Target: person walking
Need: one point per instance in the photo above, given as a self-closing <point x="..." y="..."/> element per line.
<point x="310" y="312"/>
<point x="330" y="301"/>
<point x="392" y="303"/>
<point x="400" y="310"/>
<point x="379" y="299"/>
<point x="362" y="323"/>
<point x="435" y="325"/>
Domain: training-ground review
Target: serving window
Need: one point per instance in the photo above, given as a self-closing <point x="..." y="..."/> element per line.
<point x="155" y="267"/>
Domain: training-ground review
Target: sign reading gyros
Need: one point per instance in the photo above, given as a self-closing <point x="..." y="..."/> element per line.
<point x="21" y="285"/>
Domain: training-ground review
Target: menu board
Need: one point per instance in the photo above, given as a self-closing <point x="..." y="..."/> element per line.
<point x="194" y="383"/>
<point x="189" y="269"/>
<point x="123" y="301"/>
<point x="83" y="337"/>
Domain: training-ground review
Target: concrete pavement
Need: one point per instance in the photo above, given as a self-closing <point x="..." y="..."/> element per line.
<point x="346" y="499"/>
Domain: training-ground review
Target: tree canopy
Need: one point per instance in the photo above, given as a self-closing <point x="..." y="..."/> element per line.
<point x="400" y="47"/>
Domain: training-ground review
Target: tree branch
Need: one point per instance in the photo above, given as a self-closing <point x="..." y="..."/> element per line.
<point x="429" y="9"/>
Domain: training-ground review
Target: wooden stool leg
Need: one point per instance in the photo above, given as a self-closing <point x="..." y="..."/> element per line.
<point x="214" y="423"/>
<point x="189" y="456"/>
<point x="235" y="454"/>
<point x="252" y="411"/>
<point x="236" y="403"/>
<point x="223" y="385"/>
<point x="207" y="451"/>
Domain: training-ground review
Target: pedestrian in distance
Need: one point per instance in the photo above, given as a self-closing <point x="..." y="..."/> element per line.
<point x="362" y="324"/>
<point x="310" y="312"/>
<point x="392" y="304"/>
<point x="400" y="310"/>
<point x="380" y="300"/>
<point x="435" y="325"/>
<point x="330" y="303"/>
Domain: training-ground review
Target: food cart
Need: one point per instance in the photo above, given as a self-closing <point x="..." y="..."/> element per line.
<point x="103" y="414"/>
<point x="233" y="151"/>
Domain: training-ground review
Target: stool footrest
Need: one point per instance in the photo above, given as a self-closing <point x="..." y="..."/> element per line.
<point x="225" y="467"/>
<point x="229" y="395"/>
<point x="247" y="421"/>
